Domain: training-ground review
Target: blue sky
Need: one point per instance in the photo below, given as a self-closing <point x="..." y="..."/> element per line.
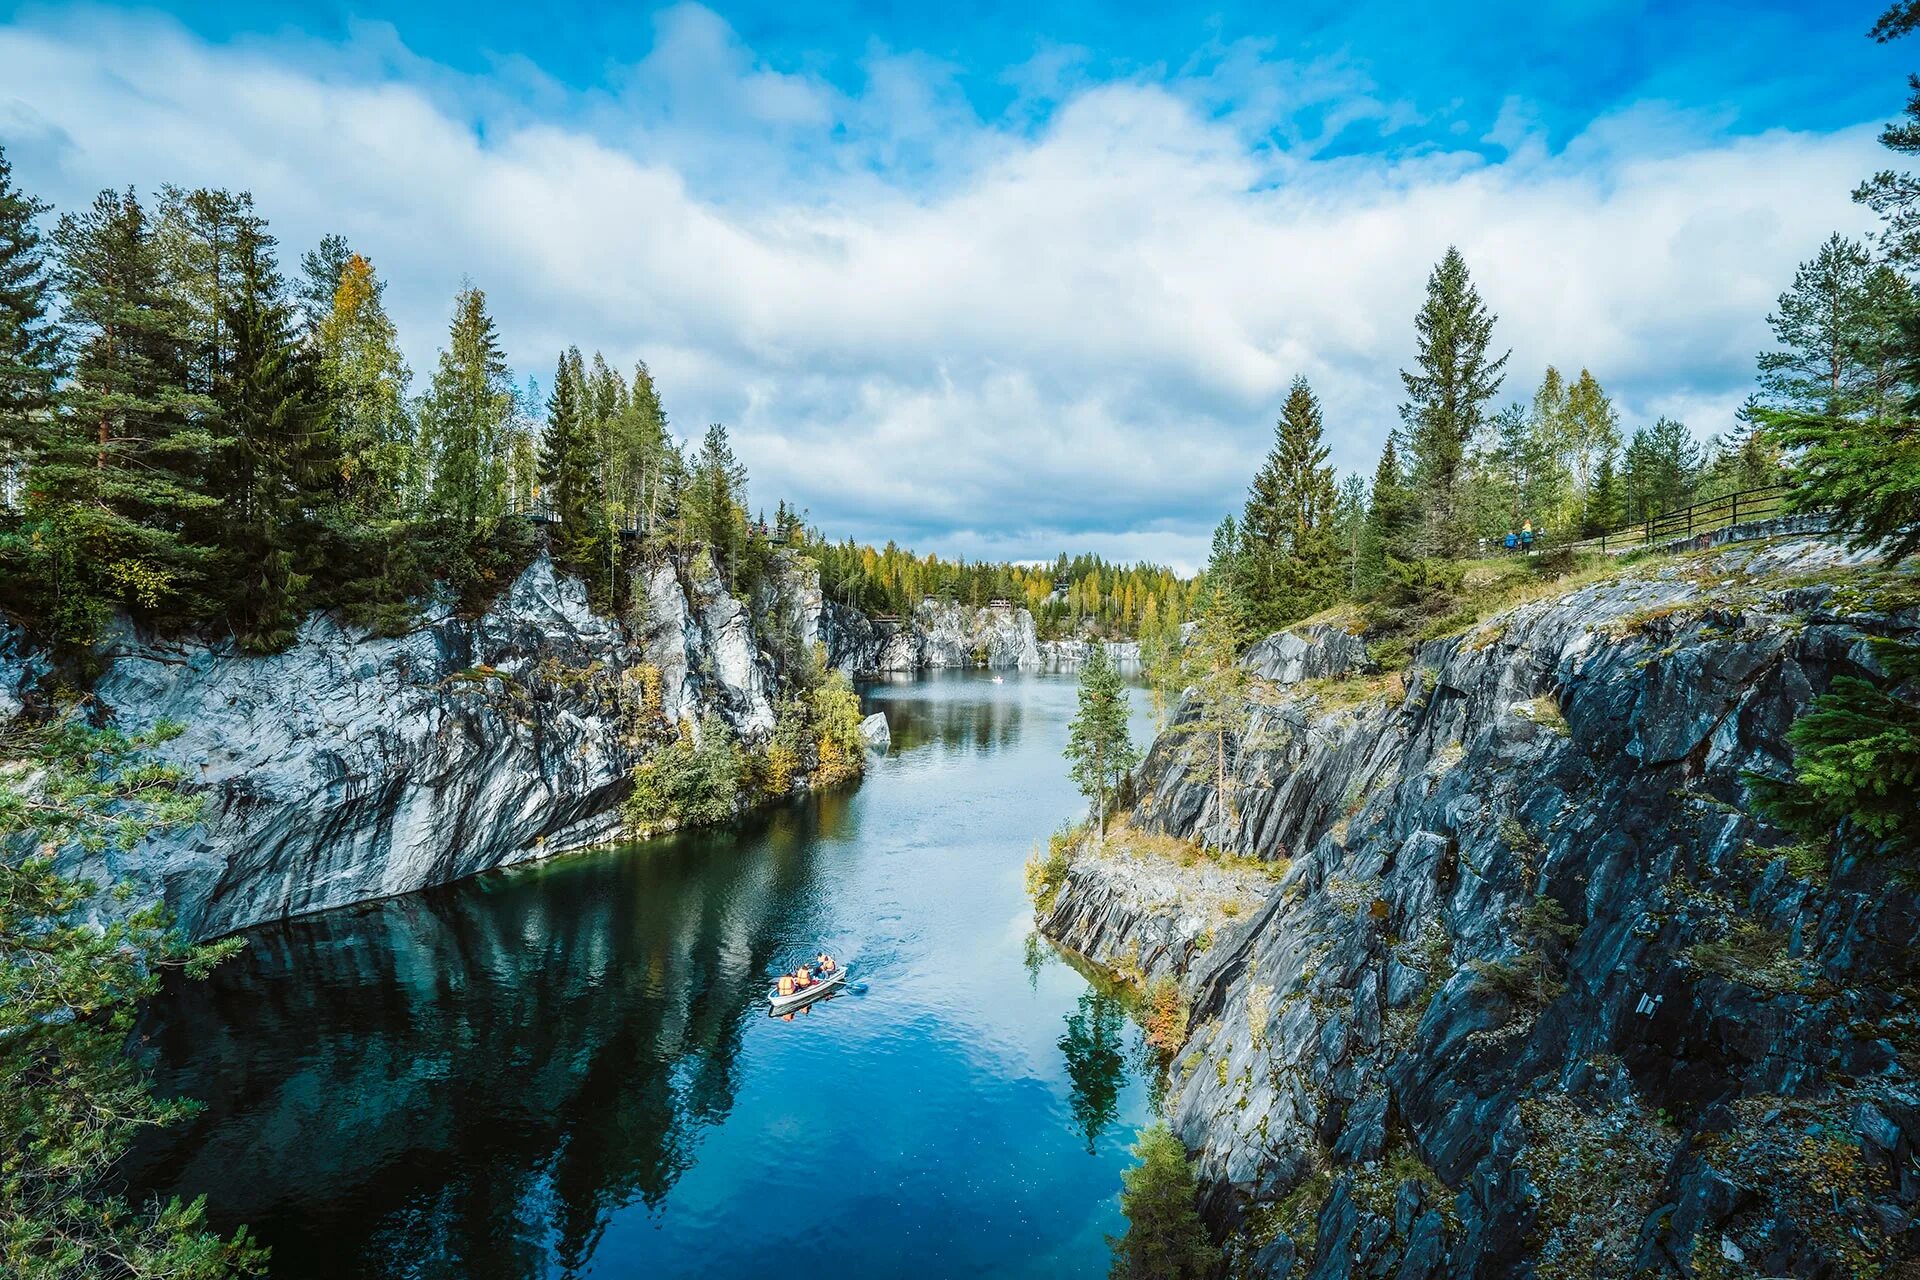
<point x="1003" y="279"/>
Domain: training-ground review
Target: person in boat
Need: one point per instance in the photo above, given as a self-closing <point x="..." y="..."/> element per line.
<point x="826" y="964"/>
<point x="786" y="987"/>
<point x="803" y="978"/>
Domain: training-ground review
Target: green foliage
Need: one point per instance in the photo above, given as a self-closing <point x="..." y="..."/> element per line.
<point x="29" y="341"/>
<point x="696" y="780"/>
<point x="835" y="725"/>
<point x="1447" y="392"/>
<point x="1217" y="706"/>
<point x="569" y="481"/>
<point x="1856" y="760"/>
<point x="71" y="1101"/>
<point x="1165" y="1239"/>
<point x="1289" y="541"/>
<point x="1100" y="599"/>
<point x="1098" y="742"/>
<point x="1046" y="874"/>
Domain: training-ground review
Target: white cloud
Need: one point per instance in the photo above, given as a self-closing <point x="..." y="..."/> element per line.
<point x="985" y="337"/>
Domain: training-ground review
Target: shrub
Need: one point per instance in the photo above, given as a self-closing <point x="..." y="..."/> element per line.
<point x="842" y="752"/>
<point x="1856" y="759"/>
<point x="1046" y="874"/>
<point x="1165" y="1239"/>
<point x="1163" y="1010"/>
<point x="689" y="783"/>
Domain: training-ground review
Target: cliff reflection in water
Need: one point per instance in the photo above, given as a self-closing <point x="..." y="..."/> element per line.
<point x="511" y="1065"/>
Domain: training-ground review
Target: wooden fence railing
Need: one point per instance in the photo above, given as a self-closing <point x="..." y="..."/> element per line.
<point x="1707" y="516"/>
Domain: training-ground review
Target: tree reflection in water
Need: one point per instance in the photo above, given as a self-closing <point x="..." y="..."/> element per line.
<point x="1094" y="1045"/>
<point x="468" y="1082"/>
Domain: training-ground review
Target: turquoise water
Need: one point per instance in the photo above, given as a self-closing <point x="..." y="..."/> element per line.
<point x="568" y="1069"/>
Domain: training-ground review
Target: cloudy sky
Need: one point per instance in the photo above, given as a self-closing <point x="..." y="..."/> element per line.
<point x="1014" y="278"/>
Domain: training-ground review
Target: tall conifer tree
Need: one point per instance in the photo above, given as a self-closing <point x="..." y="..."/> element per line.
<point x="1288" y="539"/>
<point x="29" y="339"/>
<point x="1447" y="392"/>
<point x="121" y="479"/>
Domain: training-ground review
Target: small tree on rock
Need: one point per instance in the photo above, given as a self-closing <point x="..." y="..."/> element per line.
<point x="1098" y="742"/>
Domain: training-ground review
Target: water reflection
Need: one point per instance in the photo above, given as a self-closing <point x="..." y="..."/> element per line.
<point x="486" y="1071"/>
<point x="569" y="1069"/>
<point x="1094" y="1047"/>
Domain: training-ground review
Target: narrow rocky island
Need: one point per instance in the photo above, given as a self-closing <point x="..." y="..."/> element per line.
<point x="1491" y="962"/>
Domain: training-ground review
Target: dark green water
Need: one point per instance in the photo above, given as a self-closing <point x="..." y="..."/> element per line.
<point x="569" y="1070"/>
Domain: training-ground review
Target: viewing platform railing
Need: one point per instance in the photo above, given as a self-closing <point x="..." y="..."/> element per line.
<point x="1708" y="516"/>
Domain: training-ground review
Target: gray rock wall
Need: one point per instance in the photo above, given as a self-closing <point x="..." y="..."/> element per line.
<point x="1617" y="1098"/>
<point x="352" y="767"/>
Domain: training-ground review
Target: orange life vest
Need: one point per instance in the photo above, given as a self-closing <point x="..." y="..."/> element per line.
<point x="786" y="984"/>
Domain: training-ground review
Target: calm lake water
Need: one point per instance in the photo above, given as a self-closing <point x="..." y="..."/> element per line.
<point x="568" y="1069"/>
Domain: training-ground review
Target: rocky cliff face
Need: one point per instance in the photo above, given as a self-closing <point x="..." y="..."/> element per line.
<point x="352" y="767"/>
<point x="938" y="635"/>
<point x="1533" y="993"/>
<point x="1065" y="655"/>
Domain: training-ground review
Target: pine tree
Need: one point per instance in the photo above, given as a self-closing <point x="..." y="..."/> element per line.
<point x="73" y="1100"/>
<point x="1098" y="742"/>
<point x="1165" y="1238"/>
<point x="1832" y="331"/>
<point x="1288" y="542"/>
<point x="29" y="339"/>
<point x="276" y="468"/>
<point x="322" y="271"/>
<point x="198" y="238"/>
<point x="121" y="476"/>
<point x="1447" y="396"/>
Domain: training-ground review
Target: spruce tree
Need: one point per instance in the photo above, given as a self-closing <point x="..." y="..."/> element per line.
<point x="276" y="467"/>
<point x="714" y="507"/>
<point x="1288" y="540"/>
<point x="120" y="478"/>
<point x="568" y="480"/>
<point x="1605" y="505"/>
<point x="29" y="339"/>
<point x="1165" y="1239"/>
<point x="1447" y="393"/>
<point x="1392" y="520"/>
<point x="1098" y="742"/>
<point x="464" y="419"/>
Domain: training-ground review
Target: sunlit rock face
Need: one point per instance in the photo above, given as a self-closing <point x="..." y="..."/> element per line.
<point x="352" y="767"/>
<point x="1404" y="1062"/>
<point x="1068" y="655"/>
<point x="937" y="635"/>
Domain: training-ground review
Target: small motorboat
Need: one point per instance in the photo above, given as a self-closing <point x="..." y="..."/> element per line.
<point x="813" y="991"/>
<point x="999" y="680"/>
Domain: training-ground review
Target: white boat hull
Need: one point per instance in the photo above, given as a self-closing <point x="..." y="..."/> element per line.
<point x="832" y="982"/>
